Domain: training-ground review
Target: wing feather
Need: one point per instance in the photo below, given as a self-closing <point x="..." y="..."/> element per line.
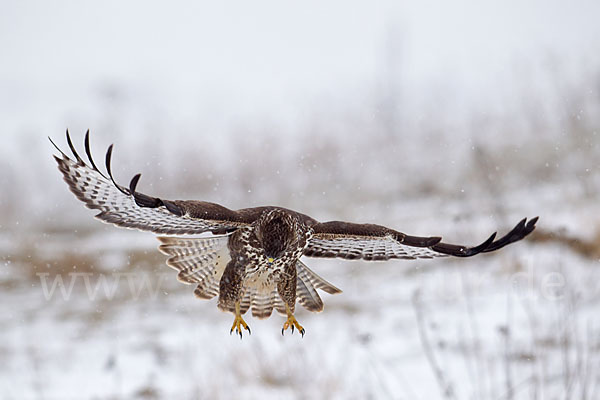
<point x="125" y="207"/>
<point x="375" y="242"/>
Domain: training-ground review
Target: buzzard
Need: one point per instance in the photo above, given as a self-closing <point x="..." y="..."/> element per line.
<point x="252" y="259"/>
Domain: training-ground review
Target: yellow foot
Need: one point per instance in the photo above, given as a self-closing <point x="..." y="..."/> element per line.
<point x="238" y="323"/>
<point x="291" y="322"/>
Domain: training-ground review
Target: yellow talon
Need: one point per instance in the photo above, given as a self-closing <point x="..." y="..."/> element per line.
<point x="292" y="322"/>
<point x="239" y="322"/>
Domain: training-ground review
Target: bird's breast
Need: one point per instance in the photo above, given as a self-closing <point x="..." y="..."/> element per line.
<point x="263" y="277"/>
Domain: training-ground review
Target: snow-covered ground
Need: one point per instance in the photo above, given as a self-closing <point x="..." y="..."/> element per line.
<point x="99" y="315"/>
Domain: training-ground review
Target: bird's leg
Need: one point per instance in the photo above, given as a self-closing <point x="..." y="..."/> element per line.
<point x="291" y="322"/>
<point x="286" y="287"/>
<point x="239" y="322"/>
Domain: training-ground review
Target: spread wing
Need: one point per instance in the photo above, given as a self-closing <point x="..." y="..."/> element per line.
<point x="375" y="242"/>
<point x="125" y="207"/>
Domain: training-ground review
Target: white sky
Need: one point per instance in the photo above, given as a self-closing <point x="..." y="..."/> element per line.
<point x="250" y="59"/>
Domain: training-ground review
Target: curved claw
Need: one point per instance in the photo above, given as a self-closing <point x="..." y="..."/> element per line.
<point x="292" y="323"/>
<point x="238" y="324"/>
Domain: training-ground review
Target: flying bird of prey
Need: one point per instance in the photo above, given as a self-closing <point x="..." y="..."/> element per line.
<point x="252" y="260"/>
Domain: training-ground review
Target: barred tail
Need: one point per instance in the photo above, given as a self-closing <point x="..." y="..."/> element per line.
<point x="263" y="300"/>
<point x="306" y="288"/>
<point x="262" y="304"/>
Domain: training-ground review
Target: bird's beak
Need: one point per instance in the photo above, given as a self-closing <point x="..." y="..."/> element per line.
<point x="270" y="260"/>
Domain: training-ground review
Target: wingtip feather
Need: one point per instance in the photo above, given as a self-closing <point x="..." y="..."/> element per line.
<point x="88" y="152"/>
<point x="73" y="150"/>
<point x="57" y="148"/>
<point x="133" y="183"/>
<point x="108" y="169"/>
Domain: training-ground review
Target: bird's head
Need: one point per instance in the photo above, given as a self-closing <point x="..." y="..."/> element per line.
<point x="276" y="232"/>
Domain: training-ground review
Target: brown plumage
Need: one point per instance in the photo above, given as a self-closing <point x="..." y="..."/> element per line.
<point x="252" y="261"/>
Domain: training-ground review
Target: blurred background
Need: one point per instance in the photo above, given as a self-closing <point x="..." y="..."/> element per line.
<point x="435" y="118"/>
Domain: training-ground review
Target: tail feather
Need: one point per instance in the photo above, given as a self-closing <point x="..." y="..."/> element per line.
<point x="262" y="305"/>
<point x="308" y="275"/>
<point x="306" y="288"/>
<point x="307" y="296"/>
<point x="278" y="303"/>
<point x="246" y="302"/>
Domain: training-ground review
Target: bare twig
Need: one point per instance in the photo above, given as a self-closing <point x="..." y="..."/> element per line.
<point x="535" y="352"/>
<point x="506" y="333"/>
<point x="476" y="340"/>
<point x="445" y="386"/>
